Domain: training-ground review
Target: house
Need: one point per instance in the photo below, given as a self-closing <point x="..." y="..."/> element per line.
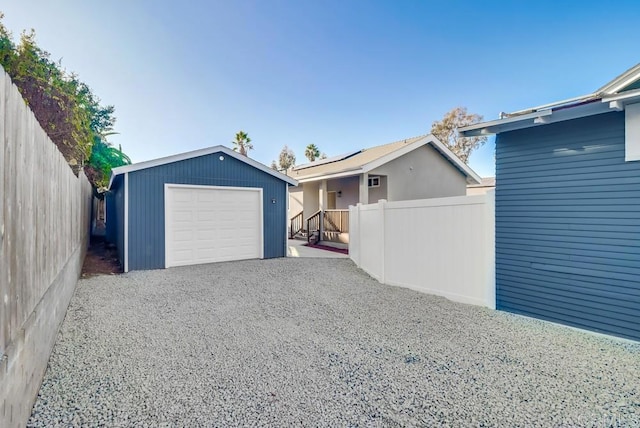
<point x="203" y="206"/>
<point x="415" y="168"/>
<point x="486" y="184"/>
<point x="568" y="209"/>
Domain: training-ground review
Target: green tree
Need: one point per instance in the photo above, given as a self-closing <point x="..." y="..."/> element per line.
<point x="446" y="130"/>
<point x="104" y="157"/>
<point x="242" y="143"/>
<point x="312" y="152"/>
<point x="65" y="107"/>
<point x="286" y="159"/>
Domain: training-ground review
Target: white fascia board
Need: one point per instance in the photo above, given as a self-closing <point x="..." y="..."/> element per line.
<point x="625" y="97"/>
<point x="197" y="153"/>
<point x="396" y="154"/>
<point x="622" y="81"/>
<point x="319" y="177"/>
<point x="551" y="116"/>
<point x="632" y="132"/>
<point x="472" y="176"/>
<point x="427" y="139"/>
<point x="496" y="126"/>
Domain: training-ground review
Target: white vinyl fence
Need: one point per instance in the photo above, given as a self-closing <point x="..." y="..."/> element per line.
<point x="443" y="246"/>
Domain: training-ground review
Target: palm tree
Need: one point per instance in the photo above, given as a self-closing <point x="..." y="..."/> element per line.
<point x="312" y="152"/>
<point x="242" y="143"/>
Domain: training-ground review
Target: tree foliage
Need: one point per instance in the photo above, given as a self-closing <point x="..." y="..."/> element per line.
<point x="286" y="159"/>
<point x="312" y="152"/>
<point x="242" y="143"/>
<point x="446" y="130"/>
<point x="104" y="157"/>
<point x="65" y="107"/>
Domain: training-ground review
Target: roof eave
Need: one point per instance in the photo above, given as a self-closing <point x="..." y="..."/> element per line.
<point x="434" y="142"/>
<point x="625" y="79"/>
<point x="337" y="174"/>
<point x="197" y="153"/>
<point x="546" y="117"/>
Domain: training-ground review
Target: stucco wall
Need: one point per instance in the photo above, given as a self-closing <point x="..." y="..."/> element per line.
<point x="295" y="200"/>
<point x="421" y="174"/>
<point x="349" y="188"/>
<point x="310" y="202"/>
<point x="380" y="192"/>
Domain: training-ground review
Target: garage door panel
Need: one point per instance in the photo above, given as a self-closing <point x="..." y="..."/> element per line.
<point x="211" y="224"/>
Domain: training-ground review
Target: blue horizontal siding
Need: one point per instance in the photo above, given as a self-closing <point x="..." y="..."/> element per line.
<point x="115" y="217"/>
<point x="568" y="225"/>
<point x="146" y="203"/>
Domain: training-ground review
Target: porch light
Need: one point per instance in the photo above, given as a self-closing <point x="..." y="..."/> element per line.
<point x="339" y="193"/>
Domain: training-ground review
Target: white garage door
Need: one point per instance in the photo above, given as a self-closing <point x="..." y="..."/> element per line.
<point x="206" y="224"/>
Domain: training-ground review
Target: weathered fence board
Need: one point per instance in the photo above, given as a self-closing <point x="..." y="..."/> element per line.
<point x="44" y="228"/>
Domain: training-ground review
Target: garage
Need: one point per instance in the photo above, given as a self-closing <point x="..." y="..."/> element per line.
<point x="206" y="206"/>
<point x="207" y="224"/>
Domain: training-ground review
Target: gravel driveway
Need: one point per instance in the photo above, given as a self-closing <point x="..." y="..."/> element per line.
<point x="316" y="342"/>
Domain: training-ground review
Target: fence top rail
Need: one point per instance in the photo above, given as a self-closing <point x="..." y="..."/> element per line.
<point x="435" y="202"/>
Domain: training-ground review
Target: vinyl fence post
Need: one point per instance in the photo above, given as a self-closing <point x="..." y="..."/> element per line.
<point x="359" y="234"/>
<point x="490" y="248"/>
<point x="382" y="205"/>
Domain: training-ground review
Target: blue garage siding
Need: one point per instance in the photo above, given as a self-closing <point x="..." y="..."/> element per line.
<point x="115" y="216"/>
<point x="568" y="225"/>
<point x="146" y="203"/>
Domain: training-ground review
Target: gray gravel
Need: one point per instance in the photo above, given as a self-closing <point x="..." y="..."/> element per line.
<point x="316" y="342"/>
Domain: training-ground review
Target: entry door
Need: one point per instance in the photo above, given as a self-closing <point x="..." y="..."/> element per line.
<point x="206" y="224"/>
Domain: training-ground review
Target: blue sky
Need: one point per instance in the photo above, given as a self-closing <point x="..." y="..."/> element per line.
<point x="340" y="74"/>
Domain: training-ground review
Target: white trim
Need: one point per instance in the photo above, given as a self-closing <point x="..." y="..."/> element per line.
<point x="550" y="106"/>
<point x="622" y="81"/>
<point x="632" y="133"/>
<point x="521" y="122"/>
<point x="427" y="139"/>
<point x="444" y="150"/>
<point x="318" y="177"/>
<point x="167" y="221"/>
<point x="396" y="154"/>
<point x="126" y="222"/>
<point x="286" y="223"/>
<point x="608" y="94"/>
<point x="197" y="153"/>
<point x="632" y="96"/>
<point x="467" y="131"/>
<point x="168" y="186"/>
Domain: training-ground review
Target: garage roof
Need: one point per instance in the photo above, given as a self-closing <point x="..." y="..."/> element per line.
<point x="197" y="153"/>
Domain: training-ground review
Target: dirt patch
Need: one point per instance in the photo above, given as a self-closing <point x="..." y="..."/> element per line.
<point x="101" y="259"/>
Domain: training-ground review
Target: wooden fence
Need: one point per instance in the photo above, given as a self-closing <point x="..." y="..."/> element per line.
<point x="44" y="231"/>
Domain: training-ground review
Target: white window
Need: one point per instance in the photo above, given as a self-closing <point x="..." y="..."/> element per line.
<point x="632" y="132"/>
<point x="374" y="181"/>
